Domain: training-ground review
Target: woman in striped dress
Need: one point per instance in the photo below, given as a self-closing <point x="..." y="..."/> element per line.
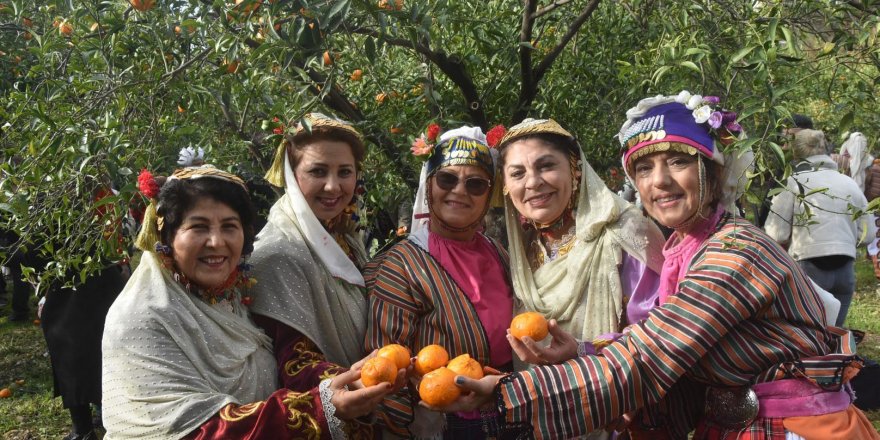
<point x="738" y="318"/>
<point x="446" y="283"/>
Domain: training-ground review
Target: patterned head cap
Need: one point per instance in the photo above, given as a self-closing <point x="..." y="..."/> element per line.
<point x="684" y="122"/>
<point x="459" y="150"/>
<point x="531" y="126"/>
<point x="206" y="172"/>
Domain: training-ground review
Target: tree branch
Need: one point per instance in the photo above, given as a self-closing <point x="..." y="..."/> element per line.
<point x="204" y="53"/>
<point x="572" y="31"/>
<point x="451" y="65"/>
<point x="548" y="9"/>
<point x="527" y="88"/>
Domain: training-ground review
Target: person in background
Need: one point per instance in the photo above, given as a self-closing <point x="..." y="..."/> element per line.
<point x="742" y="320"/>
<point x="182" y="357"/>
<point x="813" y="219"/>
<point x="72" y="319"/>
<point x="792" y="125"/>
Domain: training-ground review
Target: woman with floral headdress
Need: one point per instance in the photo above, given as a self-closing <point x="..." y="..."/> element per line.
<point x="310" y="292"/>
<point x="446" y="283"/>
<point x="181" y="356"/>
<point x="737" y="315"/>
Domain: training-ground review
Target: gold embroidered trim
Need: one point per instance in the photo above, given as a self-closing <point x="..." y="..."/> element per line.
<point x="661" y="147"/>
<point x="235" y="413"/>
<point x="533" y="126"/>
<point x="298" y="421"/>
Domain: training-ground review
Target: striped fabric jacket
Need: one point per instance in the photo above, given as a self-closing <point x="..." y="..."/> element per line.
<point x="743" y="314"/>
<point x="414" y="302"/>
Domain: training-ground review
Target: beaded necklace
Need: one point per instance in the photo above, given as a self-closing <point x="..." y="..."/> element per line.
<point x="229" y="291"/>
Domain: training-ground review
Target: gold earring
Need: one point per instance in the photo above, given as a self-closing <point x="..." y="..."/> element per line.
<point x="504" y="190"/>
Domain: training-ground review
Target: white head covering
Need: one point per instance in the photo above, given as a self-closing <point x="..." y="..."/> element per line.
<point x="306" y="281"/>
<point x="856" y="146"/>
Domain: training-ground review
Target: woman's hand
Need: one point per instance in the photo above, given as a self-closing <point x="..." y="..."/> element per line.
<point x="357" y="400"/>
<point x="563" y="347"/>
<point x="476" y="394"/>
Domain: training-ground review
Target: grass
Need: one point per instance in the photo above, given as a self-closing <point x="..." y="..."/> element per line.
<point x="32" y="413"/>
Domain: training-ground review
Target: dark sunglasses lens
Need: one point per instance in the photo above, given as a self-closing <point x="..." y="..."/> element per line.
<point x="476" y="186"/>
<point x="446" y="181"/>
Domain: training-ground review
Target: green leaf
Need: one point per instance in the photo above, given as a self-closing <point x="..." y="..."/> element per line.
<point x="740" y="54"/>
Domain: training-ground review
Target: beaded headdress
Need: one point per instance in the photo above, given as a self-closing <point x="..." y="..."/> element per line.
<point x="684" y="122"/>
<point x="311" y="123"/>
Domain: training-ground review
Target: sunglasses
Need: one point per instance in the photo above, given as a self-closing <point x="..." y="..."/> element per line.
<point x="475" y="186"/>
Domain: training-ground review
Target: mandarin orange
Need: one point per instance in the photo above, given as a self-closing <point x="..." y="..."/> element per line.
<point x="396" y="353"/>
<point x="431" y="358"/>
<point x="465" y="365"/>
<point x="438" y="387"/>
<point x="378" y="370"/>
<point x="531" y="324"/>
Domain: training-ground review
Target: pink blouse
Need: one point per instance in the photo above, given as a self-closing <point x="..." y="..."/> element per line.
<point x="476" y="268"/>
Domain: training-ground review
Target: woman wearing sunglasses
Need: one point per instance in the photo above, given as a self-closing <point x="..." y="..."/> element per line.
<point x="446" y="283"/>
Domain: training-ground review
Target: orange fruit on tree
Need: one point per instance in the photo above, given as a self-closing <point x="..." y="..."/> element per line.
<point x="396" y="130"/>
<point x="531" y="324"/>
<point x="5" y="392"/>
<point x="356" y="75"/>
<point x="249" y="7"/>
<point x="231" y="66"/>
<point x="142" y="5"/>
<point x="396" y="353"/>
<point x="438" y="388"/>
<point x="380" y="98"/>
<point x="328" y="60"/>
<point x="465" y="365"/>
<point x="430" y="358"/>
<point x="65" y="28"/>
<point x="26" y="22"/>
<point x="378" y="370"/>
<point x="27" y="36"/>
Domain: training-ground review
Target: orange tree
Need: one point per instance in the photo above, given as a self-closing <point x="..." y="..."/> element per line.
<point x="93" y="91"/>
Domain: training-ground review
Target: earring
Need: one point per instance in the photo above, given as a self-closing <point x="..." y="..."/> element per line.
<point x="504" y="190"/>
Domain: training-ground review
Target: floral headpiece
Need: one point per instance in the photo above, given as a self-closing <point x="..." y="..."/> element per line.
<point x="685" y="122"/>
<point x="310" y="123"/>
<point x="423" y="145"/>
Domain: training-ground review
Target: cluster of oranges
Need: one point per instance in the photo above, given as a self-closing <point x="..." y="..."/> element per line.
<point x="432" y="364"/>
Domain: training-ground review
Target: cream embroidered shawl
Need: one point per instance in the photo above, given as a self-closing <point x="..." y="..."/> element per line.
<point x="582" y="289"/>
<point x="171" y="361"/>
<point x="306" y="281"/>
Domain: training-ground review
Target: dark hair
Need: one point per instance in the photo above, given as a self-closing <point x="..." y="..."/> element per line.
<point x="558" y="142"/>
<point x="180" y="195"/>
<point x="295" y="144"/>
<point x="800" y="121"/>
<point x="715" y="187"/>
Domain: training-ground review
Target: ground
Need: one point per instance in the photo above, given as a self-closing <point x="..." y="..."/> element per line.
<point x="32" y="412"/>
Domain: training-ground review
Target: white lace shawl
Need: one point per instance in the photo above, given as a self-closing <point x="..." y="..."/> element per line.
<point x="171" y="361"/>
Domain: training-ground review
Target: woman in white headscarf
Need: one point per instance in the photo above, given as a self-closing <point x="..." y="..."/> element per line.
<point x="309" y="294"/>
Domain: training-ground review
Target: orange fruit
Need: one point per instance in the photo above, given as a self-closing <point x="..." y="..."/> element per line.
<point x="27" y="36"/>
<point x="142" y="5"/>
<point x="380" y="98"/>
<point x="430" y="358"/>
<point x="531" y="324"/>
<point x="356" y="75"/>
<point x="26" y="22"/>
<point x="65" y="28"/>
<point x="396" y="130"/>
<point x="180" y="109"/>
<point x="465" y="365"/>
<point x="5" y="392"/>
<point x="231" y="66"/>
<point x="395" y="353"/>
<point x="438" y="387"/>
<point x="378" y="370"/>
<point x="248" y="8"/>
<point x="328" y="60"/>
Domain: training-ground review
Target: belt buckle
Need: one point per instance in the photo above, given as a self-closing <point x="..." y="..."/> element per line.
<point x="731" y="408"/>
